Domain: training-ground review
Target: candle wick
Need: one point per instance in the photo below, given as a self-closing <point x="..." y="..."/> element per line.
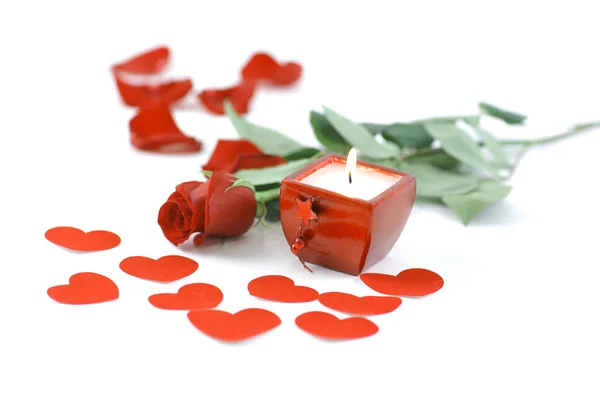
<point x="349" y="177"/>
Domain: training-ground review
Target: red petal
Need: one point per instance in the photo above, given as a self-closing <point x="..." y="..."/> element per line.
<point x="226" y="155"/>
<point x="149" y="62"/>
<point x="199" y="239"/>
<point x="230" y="213"/>
<point x="168" y="92"/>
<point x="259" y="161"/>
<point x="239" y="95"/>
<point x="154" y="129"/>
<point x="264" y="67"/>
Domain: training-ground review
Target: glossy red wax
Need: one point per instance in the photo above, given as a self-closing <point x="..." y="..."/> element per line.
<point x="350" y="234"/>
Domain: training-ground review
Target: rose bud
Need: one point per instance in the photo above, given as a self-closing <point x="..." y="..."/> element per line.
<point x="211" y="208"/>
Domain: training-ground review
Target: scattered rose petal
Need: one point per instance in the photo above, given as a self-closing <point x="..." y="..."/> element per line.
<point x="166" y="92"/>
<point x="239" y="95"/>
<point x="76" y="239"/>
<point x="154" y="129"/>
<point x="149" y="62"/>
<point x="410" y="282"/>
<point x="189" y="297"/>
<point x="263" y="67"/>
<point x="233" y="155"/>
<point x="165" y="269"/>
<point x="368" y="305"/>
<point x="85" y="288"/>
<point x="234" y="327"/>
<point x="281" y="288"/>
<point x="328" y="326"/>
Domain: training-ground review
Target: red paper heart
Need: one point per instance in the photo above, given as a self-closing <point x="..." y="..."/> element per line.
<point x="165" y="269"/>
<point x="234" y="327"/>
<point x="189" y="297"/>
<point x="410" y="282"/>
<point x="328" y="326"/>
<point x="368" y="305"/>
<point x="239" y="96"/>
<point x="76" y="239"/>
<point x="281" y="288"/>
<point x="85" y="288"/>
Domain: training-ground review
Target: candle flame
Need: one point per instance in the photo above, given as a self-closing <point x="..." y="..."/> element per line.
<point x="351" y="164"/>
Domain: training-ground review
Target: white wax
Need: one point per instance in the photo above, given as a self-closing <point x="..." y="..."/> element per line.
<point x="366" y="183"/>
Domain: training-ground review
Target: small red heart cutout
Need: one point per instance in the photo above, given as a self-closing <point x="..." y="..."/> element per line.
<point x="165" y="269"/>
<point x="85" y="288"/>
<point x="368" y="305"/>
<point x="410" y="282"/>
<point x="327" y="326"/>
<point x="76" y="239"/>
<point x="234" y="327"/>
<point x="189" y="297"/>
<point x="281" y="288"/>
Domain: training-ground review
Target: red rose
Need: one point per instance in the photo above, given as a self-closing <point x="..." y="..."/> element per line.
<point x="207" y="208"/>
<point x="233" y="155"/>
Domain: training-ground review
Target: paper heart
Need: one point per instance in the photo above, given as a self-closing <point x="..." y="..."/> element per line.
<point x="410" y="282"/>
<point x="327" y="326"/>
<point x="281" y="288"/>
<point x="165" y="269"/>
<point x="76" y="239"/>
<point x="234" y="327"/>
<point x="189" y="297"/>
<point x="368" y="305"/>
<point x="85" y="288"/>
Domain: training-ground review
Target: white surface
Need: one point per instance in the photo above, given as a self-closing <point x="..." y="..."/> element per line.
<point x="518" y="316"/>
<point x="366" y="183"/>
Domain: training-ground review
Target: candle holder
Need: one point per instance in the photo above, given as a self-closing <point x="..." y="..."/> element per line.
<point x="346" y="234"/>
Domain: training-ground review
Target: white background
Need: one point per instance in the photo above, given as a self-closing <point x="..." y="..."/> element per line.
<point x="517" y="317"/>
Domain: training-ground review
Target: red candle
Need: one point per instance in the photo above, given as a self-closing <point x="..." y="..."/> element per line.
<point x="345" y="215"/>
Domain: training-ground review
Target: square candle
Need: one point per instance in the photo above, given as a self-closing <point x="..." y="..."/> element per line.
<point x="357" y="223"/>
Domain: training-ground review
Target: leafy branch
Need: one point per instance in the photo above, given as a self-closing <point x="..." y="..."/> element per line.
<point x="455" y="160"/>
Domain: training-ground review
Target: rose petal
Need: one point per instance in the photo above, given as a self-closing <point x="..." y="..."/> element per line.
<point x="263" y="66"/>
<point x="154" y="129"/>
<point x="239" y="95"/>
<point x="226" y="155"/>
<point x="149" y="62"/>
<point x="168" y="92"/>
<point x="259" y="161"/>
<point x="228" y="213"/>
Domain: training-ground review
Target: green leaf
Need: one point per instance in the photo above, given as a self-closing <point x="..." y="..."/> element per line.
<point x="272" y="210"/>
<point x="509" y="117"/>
<point x="241" y="182"/>
<point x="360" y="138"/>
<point x="434" y="182"/>
<point x="268" y="195"/>
<point x="468" y="205"/>
<point x="414" y="136"/>
<point x="327" y="135"/>
<point x="374" y="128"/>
<point x="500" y="157"/>
<point x="268" y="140"/>
<point x="306" y="152"/>
<point x="441" y="160"/>
<point x="270" y="175"/>
<point x="470" y="119"/>
<point x="208" y="174"/>
<point x="458" y="144"/>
